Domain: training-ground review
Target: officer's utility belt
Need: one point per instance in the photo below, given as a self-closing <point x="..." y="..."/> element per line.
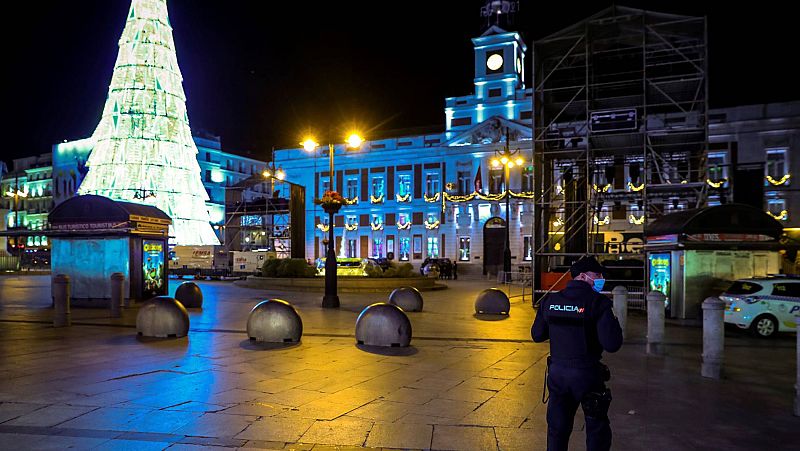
<point x="577" y="363"/>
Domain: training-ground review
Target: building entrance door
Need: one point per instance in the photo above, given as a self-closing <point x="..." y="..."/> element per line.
<point x="494" y="237"/>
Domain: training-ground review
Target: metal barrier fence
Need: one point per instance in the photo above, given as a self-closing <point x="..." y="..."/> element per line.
<point x="517" y="284"/>
<point x="9" y="263"/>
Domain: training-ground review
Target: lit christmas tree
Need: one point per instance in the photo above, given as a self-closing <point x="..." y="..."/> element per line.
<point x="144" y="150"/>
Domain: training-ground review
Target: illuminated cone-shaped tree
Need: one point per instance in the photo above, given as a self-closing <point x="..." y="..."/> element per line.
<point x="144" y="150"/>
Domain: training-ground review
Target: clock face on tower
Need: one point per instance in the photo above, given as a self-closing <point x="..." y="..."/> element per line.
<point x="494" y="62"/>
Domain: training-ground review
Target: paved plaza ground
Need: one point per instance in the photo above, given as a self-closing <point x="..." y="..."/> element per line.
<point x="466" y="383"/>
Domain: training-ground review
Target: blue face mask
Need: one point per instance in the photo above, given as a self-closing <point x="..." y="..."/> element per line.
<point x="598" y="284"/>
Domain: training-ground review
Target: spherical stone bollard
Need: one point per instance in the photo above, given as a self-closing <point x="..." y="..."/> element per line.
<point x="274" y="321"/>
<point x="407" y="298"/>
<point x="383" y="324"/>
<point x="492" y="301"/>
<point x="190" y="295"/>
<point x="162" y="317"/>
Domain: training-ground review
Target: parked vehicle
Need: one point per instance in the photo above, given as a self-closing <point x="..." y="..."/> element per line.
<point x="199" y="261"/>
<point x="765" y="305"/>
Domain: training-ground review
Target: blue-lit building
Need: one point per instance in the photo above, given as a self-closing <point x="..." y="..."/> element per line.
<point x="44" y="181"/>
<point x="396" y="185"/>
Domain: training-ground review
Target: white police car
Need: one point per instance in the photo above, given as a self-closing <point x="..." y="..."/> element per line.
<point x="764" y="305"/>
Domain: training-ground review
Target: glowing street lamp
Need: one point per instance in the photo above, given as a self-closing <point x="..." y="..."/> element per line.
<point x="331" y="298"/>
<point x="507" y="159"/>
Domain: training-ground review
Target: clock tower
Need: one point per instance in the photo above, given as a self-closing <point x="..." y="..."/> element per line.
<point x="499" y="63"/>
<point x="499" y="74"/>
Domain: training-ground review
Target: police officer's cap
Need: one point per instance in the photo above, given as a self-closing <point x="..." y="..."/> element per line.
<point x="586" y="264"/>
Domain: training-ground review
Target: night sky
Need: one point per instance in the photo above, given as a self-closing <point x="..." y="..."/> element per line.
<point x="259" y="73"/>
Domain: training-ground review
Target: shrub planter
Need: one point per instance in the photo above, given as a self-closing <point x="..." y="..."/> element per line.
<point x="345" y="284"/>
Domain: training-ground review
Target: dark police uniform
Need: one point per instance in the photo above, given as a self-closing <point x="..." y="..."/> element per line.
<point x="580" y="324"/>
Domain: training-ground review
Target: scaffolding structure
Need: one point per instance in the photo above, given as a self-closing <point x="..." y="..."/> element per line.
<point x="620" y="133"/>
<point x="257" y="218"/>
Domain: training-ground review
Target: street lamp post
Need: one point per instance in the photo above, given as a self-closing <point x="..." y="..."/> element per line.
<point x="331" y="298"/>
<point x="507" y="160"/>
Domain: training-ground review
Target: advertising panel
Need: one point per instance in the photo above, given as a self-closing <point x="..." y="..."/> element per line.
<point x="154" y="276"/>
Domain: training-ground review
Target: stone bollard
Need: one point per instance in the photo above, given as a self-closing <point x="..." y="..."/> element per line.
<point x="620" y="295"/>
<point x="655" y="322"/>
<point x="117" y="282"/>
<point x="713" y="337"/>
<point x="61" y="315"/>
<point x="797" y="381"/>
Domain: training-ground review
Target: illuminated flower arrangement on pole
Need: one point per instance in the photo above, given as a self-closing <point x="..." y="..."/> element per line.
<point x="331" y="202"/>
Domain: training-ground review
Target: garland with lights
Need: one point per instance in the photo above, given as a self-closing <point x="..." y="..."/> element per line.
<point x="782" y="216"/>
<point x="717" y="184"/>
<point x="633" y="220"/>
<point x="351" y="227"/>
<point x="783" y="180"/>
<point x="323" y="227"/>
<point x="405" y="226"/>
<point x="634" y="188"/>
<point x="376" y="200"/>
<point x="431" y="199"/>
<point x="432" y="225"/>
<point x="405" y="198"/>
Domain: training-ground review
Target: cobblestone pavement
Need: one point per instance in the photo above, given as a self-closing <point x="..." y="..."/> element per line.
<point x="466" y="383"/>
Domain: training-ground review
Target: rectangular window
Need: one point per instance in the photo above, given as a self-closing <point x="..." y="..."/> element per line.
<point x="352" y="187"/>
<point x="351" y="248"/>
<point x="527" y="179"/>
<point x="777" y="209"/>
<point x="403" y="184"/>
<point x="465" y="183"/>
<point x="527" y="244"/>
<point x="390" y="246"/>
<point x="352" y="220"/>
<point x="717" y="167"/>
<point x="433" y="247"/>
<point x="776" y="164"/>
<point x="208" y="156"/>
<point x="405" y="249"/>
<point x="377" y="247"/>
<point x="463" y="248"/>
<point x="403" y="219"/>
<point x="459" y="121"/>
<point x="495" y="92"/>
<point x="417" y="243"/>
<point x="496" y="182"/>
<point x="525" y="115"/>
<point x="324" y="185"/>
<point x="377" y="186"/>
<point x="208" y="175"/>
<point x="432" y="183"/>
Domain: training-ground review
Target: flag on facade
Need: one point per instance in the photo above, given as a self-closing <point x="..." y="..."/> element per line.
<point x="478" y="181"/>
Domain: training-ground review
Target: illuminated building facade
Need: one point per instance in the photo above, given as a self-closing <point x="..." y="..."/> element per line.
<point x="57" y="176"/>
<point x="438" y="194"/>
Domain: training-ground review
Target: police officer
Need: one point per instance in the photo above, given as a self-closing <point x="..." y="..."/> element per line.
<point x="580" y="325"/>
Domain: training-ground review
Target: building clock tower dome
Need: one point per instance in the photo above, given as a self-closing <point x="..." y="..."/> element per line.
<point x="499" y="74"/>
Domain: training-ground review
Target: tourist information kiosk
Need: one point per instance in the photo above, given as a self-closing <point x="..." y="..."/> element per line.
<point x="94" y="237"/>
<point x="697" y="253"/>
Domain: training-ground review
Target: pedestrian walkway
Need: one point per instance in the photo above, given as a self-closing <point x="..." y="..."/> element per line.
<point x="465" y="383"/>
